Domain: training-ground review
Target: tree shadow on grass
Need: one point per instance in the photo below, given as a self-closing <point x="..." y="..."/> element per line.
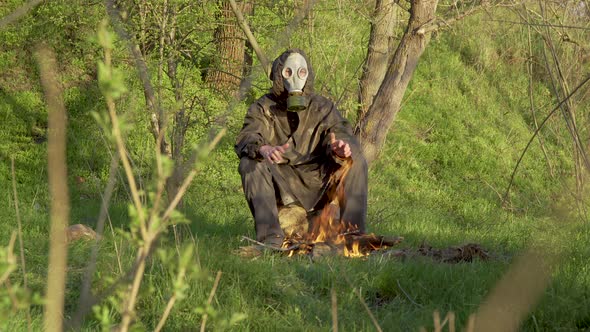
<point x="22" y="138"/>
<point x="203" y="226"/>
<point x="26" y="115"/>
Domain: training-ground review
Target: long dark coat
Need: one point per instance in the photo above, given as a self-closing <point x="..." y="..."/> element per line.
<point x="309" y="159"/>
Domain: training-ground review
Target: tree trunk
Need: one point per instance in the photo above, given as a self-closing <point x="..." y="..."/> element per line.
<point x="379" y="52"/>
<point x="372" y="128"/>
<point x="226" y="72"/>
<point x="181" y="118"/>
<point x="162" y="118"/>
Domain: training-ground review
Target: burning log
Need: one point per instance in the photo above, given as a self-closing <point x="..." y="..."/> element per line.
<point x="322" y="249"/>
<point x="376" y="242"/>
<point x="351" y="245"/>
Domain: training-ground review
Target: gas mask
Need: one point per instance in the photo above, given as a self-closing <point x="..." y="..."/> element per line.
<point x="294" y="78"/>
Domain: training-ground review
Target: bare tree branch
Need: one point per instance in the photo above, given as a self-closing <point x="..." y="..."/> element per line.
<point x="244" y="25"/>
<point x="142" y="70"/>
<point x="532" y="98"/>
<point x="537" y="132"/>
<point x="542" y="24"/>
<point x="20" y="239"/>
<point x="439" y="23"/>
<point x="210" y="299"/>
<point x="515" y="294"/>
<point x="18" y="13"/>
<point x="85" y="293"/>
<point x="304" y="12"/>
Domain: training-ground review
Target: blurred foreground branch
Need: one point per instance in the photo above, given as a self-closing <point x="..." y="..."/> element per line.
<point x="18" y="13"/>
<point x="58" y="188"/>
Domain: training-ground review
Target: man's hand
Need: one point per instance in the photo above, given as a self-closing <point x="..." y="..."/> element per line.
<point x="339" y="147"/>
<point x="274" y="154"/>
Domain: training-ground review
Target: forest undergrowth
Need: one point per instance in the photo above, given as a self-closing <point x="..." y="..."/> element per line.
<point x="443" y="179"/>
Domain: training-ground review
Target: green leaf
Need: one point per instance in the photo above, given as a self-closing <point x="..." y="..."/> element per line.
<point x="164" y="255"/>
<point x="237" y="317"/>
<point x="111" y="81"/>
<point x="167" y="166"/>
<point x="104" y="73"/>
<point x="117" y="84"/>
<point x="186" y="256"/>
<point x="177" y="217"/>
<point x="156" y="221"/>
<point x="105" y="37"/>
<point x="103" y="120"/>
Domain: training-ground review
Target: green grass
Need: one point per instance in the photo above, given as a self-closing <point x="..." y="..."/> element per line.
<point x="439" y="180"/>
<point x="277" y="293"/>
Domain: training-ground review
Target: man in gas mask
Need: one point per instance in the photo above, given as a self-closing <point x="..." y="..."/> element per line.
<point x="291" y="142"/>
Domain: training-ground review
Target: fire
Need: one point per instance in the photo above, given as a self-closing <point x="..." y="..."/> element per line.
<point x="355" y="251"/>
<point x="328" y="229"/>
<point x="325" y="227"/>
<point x="328" y="234"/>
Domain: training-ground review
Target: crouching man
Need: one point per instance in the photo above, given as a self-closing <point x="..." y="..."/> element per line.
<point x="291" y="142"/>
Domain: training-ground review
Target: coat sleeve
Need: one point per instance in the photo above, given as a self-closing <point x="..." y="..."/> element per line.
<point x="254" y="134"/>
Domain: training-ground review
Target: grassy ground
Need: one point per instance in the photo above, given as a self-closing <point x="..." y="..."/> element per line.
<point x="447" y="161"/>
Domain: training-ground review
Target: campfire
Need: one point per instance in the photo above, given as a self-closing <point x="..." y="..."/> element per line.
<point x="330" y="236"/>
<point x="326" y="235"/>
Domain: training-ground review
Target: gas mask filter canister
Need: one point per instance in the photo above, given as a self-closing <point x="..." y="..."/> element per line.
<point x="294" y="77"/>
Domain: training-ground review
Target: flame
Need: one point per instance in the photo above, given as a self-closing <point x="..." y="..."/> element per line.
<point x="354" y="251"/>
<point x="325" y="227"/>
<point x="328" y="227"/>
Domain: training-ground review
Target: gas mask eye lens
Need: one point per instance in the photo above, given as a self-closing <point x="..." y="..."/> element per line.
<point x="302" y="73"/>
<point x="287" y="72"/>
